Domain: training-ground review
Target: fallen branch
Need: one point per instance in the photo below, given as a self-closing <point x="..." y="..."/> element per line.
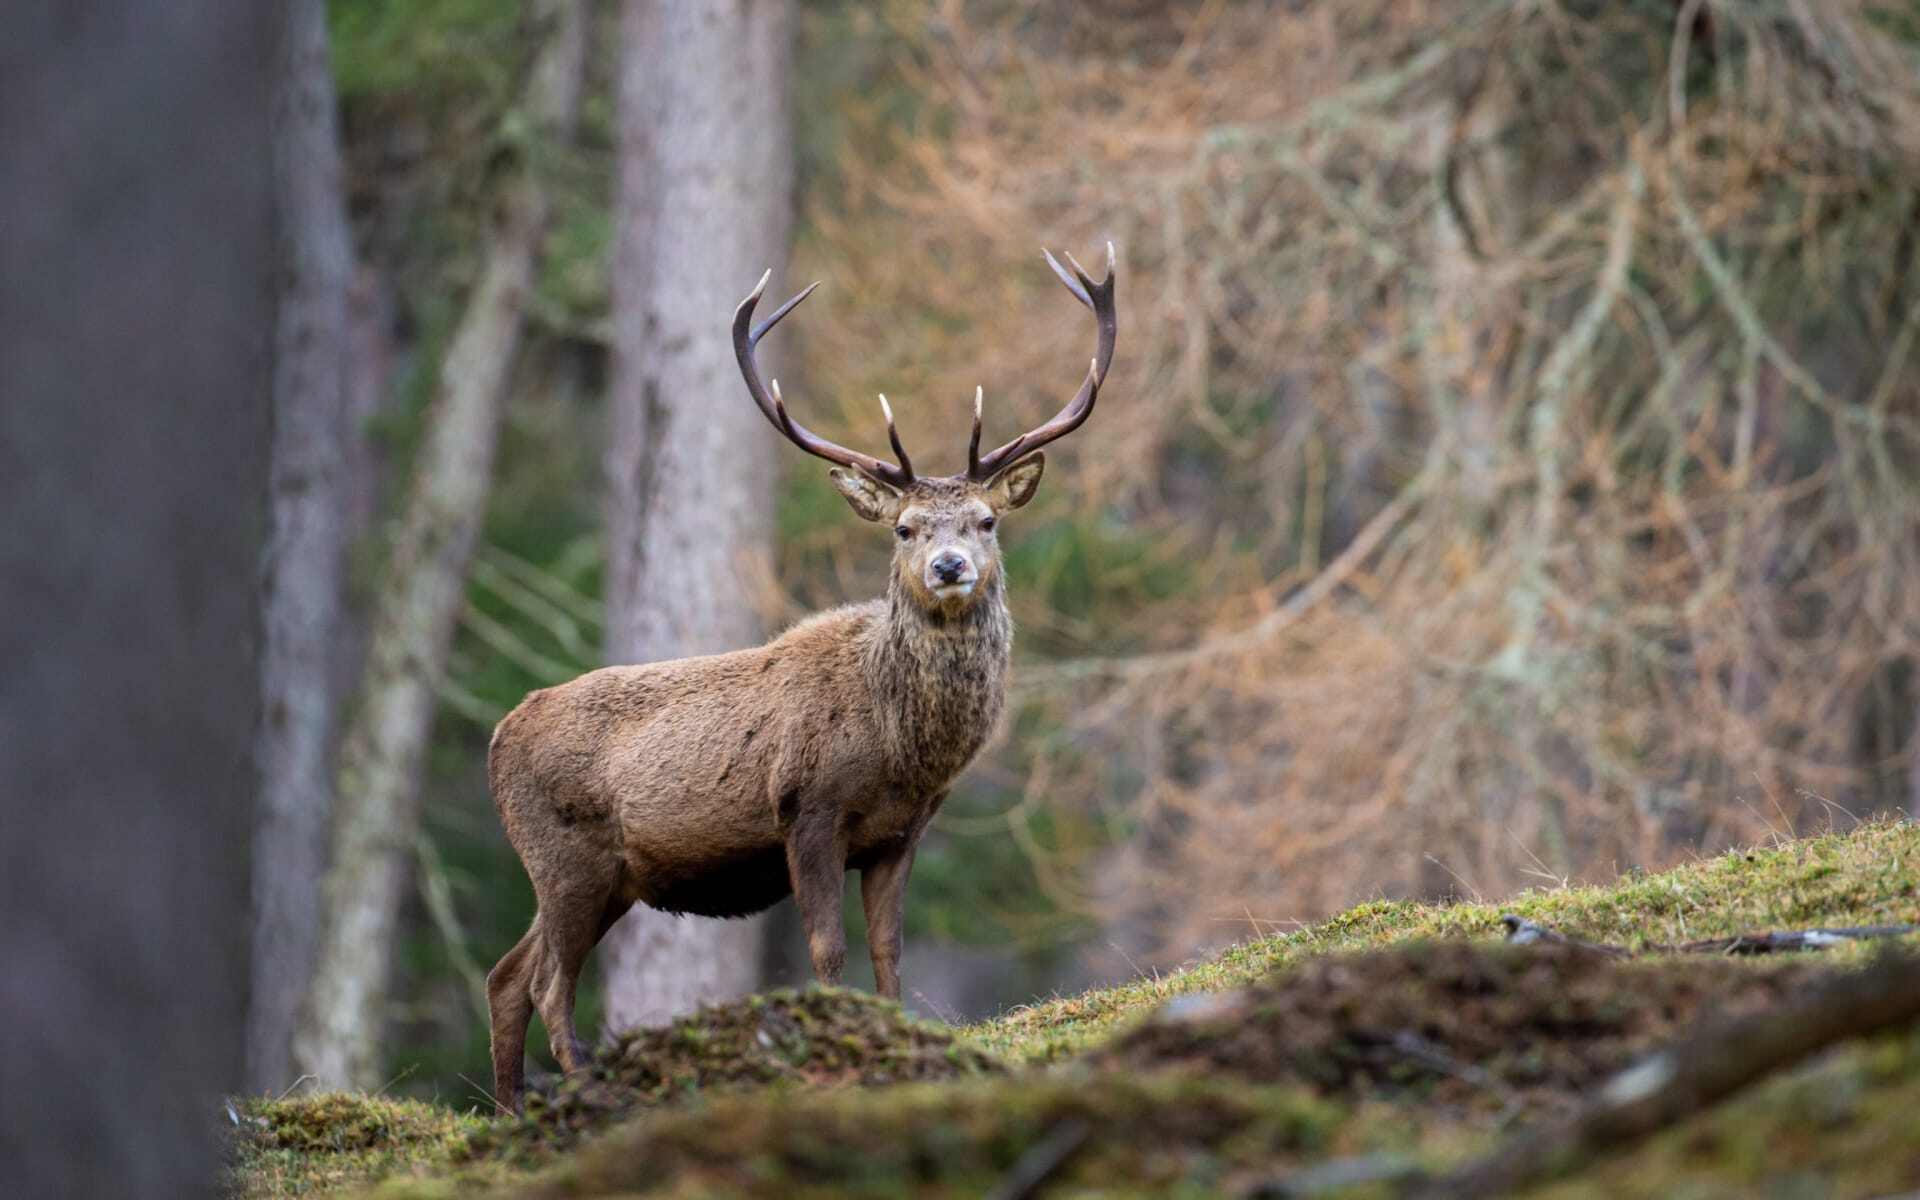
<point x="1694" y="1075"/>
<point x="1804" y="939"/>
<point x="1522" y="932"/>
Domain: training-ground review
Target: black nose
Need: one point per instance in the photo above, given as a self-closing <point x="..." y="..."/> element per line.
<point x="949" y="567"/>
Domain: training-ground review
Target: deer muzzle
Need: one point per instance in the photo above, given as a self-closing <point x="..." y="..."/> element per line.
<point x="951" y="572"/>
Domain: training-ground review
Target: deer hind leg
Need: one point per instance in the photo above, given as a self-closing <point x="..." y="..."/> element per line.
<point x="510" y="1005"/>
<point x="571" y="924"/>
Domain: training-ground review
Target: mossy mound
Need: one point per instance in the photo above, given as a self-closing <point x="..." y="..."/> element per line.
<point x="822" y="1037"/>
<point x="328" y="1140"/>
<point x="1460" y="1023"/>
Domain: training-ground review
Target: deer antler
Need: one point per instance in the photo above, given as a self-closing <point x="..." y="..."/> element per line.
<point x="1099" y="298"/>
<point x="746" y="336"/>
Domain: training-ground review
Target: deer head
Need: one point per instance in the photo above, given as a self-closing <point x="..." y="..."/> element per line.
<point x="946" y="552"/>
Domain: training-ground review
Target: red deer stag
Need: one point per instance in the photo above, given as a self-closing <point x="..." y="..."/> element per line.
<point x="716" y="785"/>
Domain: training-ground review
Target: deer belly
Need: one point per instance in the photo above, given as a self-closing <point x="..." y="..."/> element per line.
<point x="734" y="886"/>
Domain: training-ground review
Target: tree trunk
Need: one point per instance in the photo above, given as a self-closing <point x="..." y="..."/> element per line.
<point x="377" y="820"/>
<point x="303" y="579"/>
<point x="705" y="180"/>
<point x="136" y="335"/>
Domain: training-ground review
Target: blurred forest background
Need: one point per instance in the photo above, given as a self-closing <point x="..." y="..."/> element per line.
<point x="1509" y="474"/>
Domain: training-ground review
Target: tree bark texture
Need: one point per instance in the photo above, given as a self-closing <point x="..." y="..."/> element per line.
<point x="136" y="334"/>
<point x="304" y="577"/>
<point x="377" y="812"/>
<point x="705" y="183"/>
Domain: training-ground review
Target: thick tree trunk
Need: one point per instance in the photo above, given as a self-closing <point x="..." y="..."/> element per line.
<point x="380" y="760"/>
<point x="136" y="333"/>
<point x="306" y="550"/>
<point x="705" y="181"/>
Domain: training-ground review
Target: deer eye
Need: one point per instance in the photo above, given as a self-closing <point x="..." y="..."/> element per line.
<point x="903" y="532"/>
<point x="986" y="525"/>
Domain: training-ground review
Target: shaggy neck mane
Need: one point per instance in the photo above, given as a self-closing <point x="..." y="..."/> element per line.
<point x="938" y="682"/>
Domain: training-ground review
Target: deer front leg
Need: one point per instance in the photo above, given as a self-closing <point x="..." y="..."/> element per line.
<point x="883" y="891"/>
<point x="817" y="865"/>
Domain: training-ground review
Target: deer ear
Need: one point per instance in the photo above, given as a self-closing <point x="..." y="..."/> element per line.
<point x="873" y="500"/>
<point x="1016" y="485"/>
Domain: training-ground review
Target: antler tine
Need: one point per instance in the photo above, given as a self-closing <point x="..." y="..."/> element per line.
<point x="746" y="336"/>
<point x="973" y="443"/>
<point x="760" y="330"/>
<point x="1099" y="298"/>
<point x="1076" y="282"/>
<point x="893" y="436"/>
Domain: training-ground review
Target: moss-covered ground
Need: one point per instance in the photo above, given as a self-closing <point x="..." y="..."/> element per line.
<point x="781" y="1041"/>
<point x="334" y="1141"/>
<point x="1395" y="1033"/>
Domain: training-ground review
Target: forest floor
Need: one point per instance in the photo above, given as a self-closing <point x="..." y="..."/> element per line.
<point x="1349" y="1058"/>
